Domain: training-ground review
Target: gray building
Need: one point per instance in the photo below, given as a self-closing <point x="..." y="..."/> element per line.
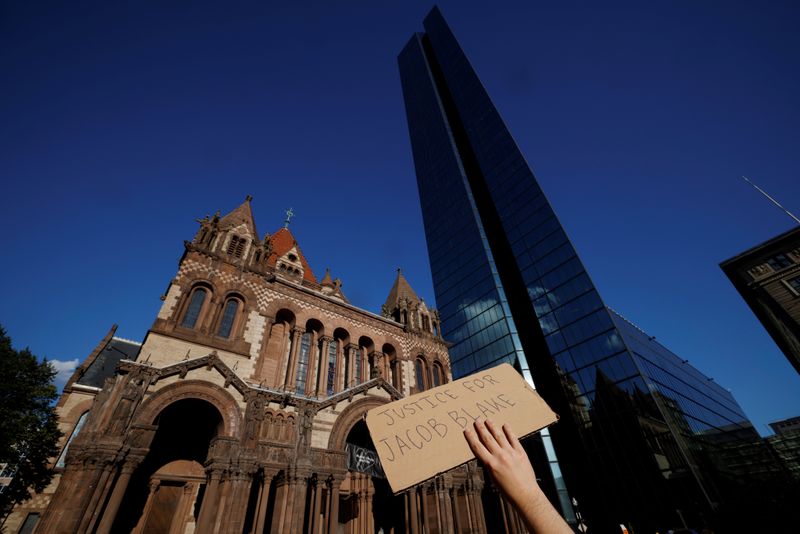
<point x="767" y="277"/>
<point x="632" y="445"/>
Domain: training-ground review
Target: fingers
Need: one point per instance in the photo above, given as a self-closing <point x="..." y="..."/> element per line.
<point x="486" y="436"/>
<point x="477" y="447"/>
<point x="487" y="440"/>
<point x="512" y="438"/>
<point x="497" y="433"/>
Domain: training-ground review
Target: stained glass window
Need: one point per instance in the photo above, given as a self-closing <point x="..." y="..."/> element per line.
<point x="332" y="348"/>
<point x="61" y="459"/>
<point x="437" y="375"/>
<point x="302" y="362"/>
<point x="420" y="366"/>
<point x="228" y="315"/>
<point x="195" y="305"/>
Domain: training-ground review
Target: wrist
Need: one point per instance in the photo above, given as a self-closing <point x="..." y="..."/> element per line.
<point x="531" y="497"/>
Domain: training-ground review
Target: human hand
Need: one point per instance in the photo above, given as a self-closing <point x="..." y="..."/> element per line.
<point x="503" y="456"/>
<point x="501" y="453"/>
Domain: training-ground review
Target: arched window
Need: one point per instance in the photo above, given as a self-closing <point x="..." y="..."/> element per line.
<point x="420" y="371"/>
<point x="195" y="306"/>
<point x="332" y="349"/>
<point x="228" y="317"/>
<point x="62" y="457"/>
<point x="438" y="374"/>
<point x="302" y="362"/>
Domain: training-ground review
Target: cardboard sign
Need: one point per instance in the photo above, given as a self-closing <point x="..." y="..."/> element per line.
<point x="423" y="435"/>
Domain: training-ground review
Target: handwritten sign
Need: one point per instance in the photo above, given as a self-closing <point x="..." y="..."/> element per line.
<point x="422" y="435"/>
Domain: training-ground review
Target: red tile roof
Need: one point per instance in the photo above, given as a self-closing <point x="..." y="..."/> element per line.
<point x="282" y="242"/>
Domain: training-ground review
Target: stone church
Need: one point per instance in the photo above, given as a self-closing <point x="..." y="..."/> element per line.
<point x="242" y="411"/>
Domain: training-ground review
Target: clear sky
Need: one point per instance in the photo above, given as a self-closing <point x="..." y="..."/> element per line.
<point x="120" y="123"/>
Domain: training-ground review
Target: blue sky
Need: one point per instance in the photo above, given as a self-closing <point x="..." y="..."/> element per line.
<point x="120" y="124"/>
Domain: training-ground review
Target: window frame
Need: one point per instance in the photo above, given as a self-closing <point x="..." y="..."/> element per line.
<point x="421" y="371"/>
<point x="233" y="331"/>
<point x="198" y="320"/>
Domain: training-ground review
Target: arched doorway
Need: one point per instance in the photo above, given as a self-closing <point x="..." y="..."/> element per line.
<point x="166" y="491"/>
<point x="366" y="503"/>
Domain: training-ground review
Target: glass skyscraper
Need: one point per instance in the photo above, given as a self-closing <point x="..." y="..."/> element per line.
<point x="639" y="425"/>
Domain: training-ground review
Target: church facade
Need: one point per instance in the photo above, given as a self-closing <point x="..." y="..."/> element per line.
<point x="242" y="411"/>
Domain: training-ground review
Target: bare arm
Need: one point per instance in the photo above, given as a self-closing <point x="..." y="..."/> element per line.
<point x="500" y="451"/>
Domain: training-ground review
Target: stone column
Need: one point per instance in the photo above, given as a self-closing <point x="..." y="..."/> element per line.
<point x="333" y="495"/>
<point x="503" y="513"/>
<point x="477" y="506"/>
<point x="292" y="370"/>
<point x="314" y="521"/>
<point x="339" y="367"/>
<point x="322" y="389"/>
<point x="412" y="499"/>
<point x="457" y="527"/>
<point x="445" y="508"/>
<point x="208" y="509"/>
<point x="298" y="501"/>
<point x="355" y="352"/>
<point x="239" y="485"/>
<point x="361" y="500"/>
<point x="284" y="357"/>
<point x="369" y="492"/>
<point x="377" y="365"/>
<point x="258" y="372"/>
<point x="313" y="352"/>
<point x="259" y="526"/>
<point x="105" y="471"/>
<point x="279" y="514"/>
<point x="153" y="487"/>
<point x="423" y="502"/>
<point x="180" y="519"/>
<point x="117" y="494"/>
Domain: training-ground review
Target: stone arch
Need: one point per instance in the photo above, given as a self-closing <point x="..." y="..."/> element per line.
<point x="193" y="389"/>
<point x="75" y="413"/>
<point x="278" y="304"/>
<point x="241" y="291"/>
<point x="349" y="417"/>
<point x="189" y="286"/>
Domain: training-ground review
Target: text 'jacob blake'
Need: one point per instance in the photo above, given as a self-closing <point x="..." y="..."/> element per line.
<point x="424" y="433"/>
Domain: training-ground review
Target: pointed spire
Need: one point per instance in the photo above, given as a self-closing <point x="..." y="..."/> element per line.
<point x="289" y="215"/>
<point x="241" y="215"/>
<point x="401" y="289"/>
<point x="327" y="281"/>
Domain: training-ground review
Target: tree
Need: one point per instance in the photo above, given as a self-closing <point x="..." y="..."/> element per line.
<point x="29" y="431"/>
